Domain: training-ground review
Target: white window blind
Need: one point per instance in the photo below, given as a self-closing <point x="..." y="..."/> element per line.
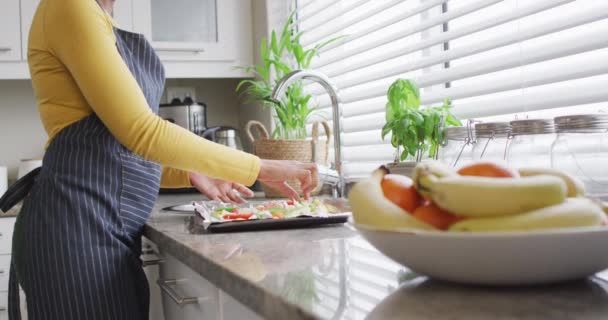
<point x="497" y="59"/>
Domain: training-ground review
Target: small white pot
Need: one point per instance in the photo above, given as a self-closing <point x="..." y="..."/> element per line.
<point x="405" y="168"/>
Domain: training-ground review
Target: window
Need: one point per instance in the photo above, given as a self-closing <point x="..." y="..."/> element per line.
<point x="497" y="60"/>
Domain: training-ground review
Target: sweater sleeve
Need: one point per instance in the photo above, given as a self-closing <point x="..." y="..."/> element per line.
<point x="174" y="178"/>
<point x="81" y="36"/>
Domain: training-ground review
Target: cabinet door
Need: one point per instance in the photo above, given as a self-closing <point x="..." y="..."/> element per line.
<point x="204" y="30"/>
<point x="123" y="14"/>
<point x="10" y="31"/>
<point x="28" y="9"/>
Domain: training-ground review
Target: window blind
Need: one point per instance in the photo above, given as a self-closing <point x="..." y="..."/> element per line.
<point x="497" y="59"/>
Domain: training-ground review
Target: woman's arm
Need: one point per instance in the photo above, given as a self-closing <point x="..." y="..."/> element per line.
<point x="80" y="35"/>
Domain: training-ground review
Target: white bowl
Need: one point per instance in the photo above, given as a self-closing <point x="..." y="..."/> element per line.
<point x="508" y="258"/>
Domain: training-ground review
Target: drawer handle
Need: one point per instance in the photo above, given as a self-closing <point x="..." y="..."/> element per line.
<point x="5" y="49"/>
<point x="166" y="288"/>
<point x="2" y="309"/>
<point x="152" y="262"/>
<point x="193" y="50"/>
<point x="1" y="271"/>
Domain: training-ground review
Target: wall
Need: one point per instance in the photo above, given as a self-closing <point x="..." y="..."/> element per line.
<point x="23" y="137"/>
<point x="219" y="96"/>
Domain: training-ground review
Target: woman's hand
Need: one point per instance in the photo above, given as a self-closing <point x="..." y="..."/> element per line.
<point x="219" y="190"/>
<point x="276" y="173"/>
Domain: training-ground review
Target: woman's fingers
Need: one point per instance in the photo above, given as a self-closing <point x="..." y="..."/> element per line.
<point x="285" y="189"/>
<point x="314" y="180"/>
<point x="305" y="179"/>
<point x="234" y="197"/>
<point x="224" y="198"/>
<point x="243" y="190"/>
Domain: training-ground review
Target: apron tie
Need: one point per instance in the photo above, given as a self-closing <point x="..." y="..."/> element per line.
<point x="11" y="197"/>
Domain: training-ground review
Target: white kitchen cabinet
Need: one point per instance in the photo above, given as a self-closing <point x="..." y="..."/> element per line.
<point x="191" y="30"/>
<point x="194" y="38"/>
<point x="123" y="14"/>
<point x="188" y="296"/>
<point x="28" y="9"/>
<point x="151" y="263"/>
<point x="10" y="31"/>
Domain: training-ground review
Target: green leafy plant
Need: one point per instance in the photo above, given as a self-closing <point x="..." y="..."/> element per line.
<point x="283" y="54"/>
<point x="413" y="129"/>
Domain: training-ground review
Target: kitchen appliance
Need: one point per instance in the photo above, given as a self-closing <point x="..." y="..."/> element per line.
<point x="227" y="136"/>
<point x="187" y="114"/>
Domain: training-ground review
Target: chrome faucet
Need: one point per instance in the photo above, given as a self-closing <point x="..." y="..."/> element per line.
<point x="323" y="80"/>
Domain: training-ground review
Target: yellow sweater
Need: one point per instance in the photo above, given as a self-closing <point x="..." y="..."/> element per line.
<point x="76" y="70"/>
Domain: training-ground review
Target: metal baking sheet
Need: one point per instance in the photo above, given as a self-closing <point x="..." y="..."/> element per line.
<point x="196" y="224"/>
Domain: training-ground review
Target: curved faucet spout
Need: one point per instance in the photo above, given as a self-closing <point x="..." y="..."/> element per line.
<point x="331" y="89"/>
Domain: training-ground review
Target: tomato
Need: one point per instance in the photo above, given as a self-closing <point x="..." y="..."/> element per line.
<point x="290" y="202"/>
<point x="237" y="216"/>
<point x="400" y="191"/>
<point x="435" y="216"/>
<point x="487" y="169"/>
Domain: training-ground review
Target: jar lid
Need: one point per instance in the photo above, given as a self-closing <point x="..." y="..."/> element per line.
<point x="492" y="129"/>
<point x="456" y="133"/>
<point x="581" y="122"/>
<point x="532" y="126"/>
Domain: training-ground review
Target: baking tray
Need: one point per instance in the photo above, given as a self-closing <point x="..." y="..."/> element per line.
<point x="199" y="225"/>
<point x="196" y="224"/>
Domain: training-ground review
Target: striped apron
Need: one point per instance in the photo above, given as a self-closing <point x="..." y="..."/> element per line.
<point x="77" y="239"/>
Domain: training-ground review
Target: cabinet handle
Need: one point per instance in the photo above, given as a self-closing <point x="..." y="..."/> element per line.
<point x="1" y="271"/>
<point x="5" y="49"/>
<point x="193" y="50"/>
<point x="2" y="309"/>
<point x="152" y="262"/>
<point x="166" y="288"/>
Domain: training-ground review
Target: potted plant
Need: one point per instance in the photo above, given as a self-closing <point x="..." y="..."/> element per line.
<point x="281" y="55"/>
<point x="414" y="130"/>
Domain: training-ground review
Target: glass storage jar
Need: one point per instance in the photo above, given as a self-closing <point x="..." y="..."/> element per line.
<point x="492" y="139"/>
<point x="581" y="149"/>
<point x="531" y="143"/>
<point x="458" y="146"/>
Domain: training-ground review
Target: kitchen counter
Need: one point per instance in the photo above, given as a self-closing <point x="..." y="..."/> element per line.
<point x="12" y="212"/>
<point x="333" y="273"/>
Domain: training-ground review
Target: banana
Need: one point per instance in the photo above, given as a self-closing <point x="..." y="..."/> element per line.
<point x="576" y="188"/>
<point x="482" y="197"/>
<point x="604" y="206"/>
<point x="370" y="207"/>
<point x="434" y="168"/>
<point x="574" y="212"/>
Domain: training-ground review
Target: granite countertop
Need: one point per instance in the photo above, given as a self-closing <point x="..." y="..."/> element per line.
<point x="333" y="273"/>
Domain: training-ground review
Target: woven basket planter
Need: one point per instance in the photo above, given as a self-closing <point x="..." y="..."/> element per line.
<point x="308" y="151"/>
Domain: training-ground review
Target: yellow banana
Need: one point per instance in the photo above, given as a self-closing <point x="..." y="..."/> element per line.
<point x="433" y="168"/>
<point x="576" y="188"/>
<point x="370" y="207"/>
<point x="574" y="212"/>
<point x="604" y="206"/>
<point x="482" y="197"/>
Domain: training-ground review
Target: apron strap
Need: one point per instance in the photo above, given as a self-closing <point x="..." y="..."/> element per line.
<point x="18" y="191"/>
<point x="14" y="195"/>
